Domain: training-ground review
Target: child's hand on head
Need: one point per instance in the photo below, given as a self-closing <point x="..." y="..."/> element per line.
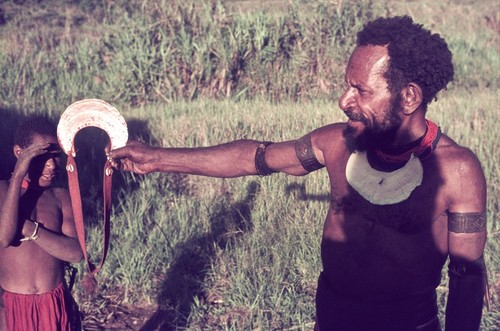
<point x="26" y="155"/>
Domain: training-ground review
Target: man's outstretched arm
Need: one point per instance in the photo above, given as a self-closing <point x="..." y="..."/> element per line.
<point x="233" y="159"/>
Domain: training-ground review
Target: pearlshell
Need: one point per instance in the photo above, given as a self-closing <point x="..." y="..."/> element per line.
<point x="379" y="187"/>
<point x="95" y="113"/>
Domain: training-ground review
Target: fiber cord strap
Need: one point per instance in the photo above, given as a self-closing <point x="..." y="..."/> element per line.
<point x="107" y="184"/>
<point x="76" y="201"/>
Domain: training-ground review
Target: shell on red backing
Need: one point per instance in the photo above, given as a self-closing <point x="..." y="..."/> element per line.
<point x="91" y="113"/>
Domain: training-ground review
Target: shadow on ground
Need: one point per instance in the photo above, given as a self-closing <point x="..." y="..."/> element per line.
<point x="298" y="190"/>
<point x="183" y="281"/>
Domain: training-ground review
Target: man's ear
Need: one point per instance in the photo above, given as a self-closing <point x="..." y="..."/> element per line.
<point x="17" y="150"/>
<point x="411" y="98"/>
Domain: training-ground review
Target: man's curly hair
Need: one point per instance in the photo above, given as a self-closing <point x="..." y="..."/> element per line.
<point x="415" y="55"/>
<point x="35" y="124"/>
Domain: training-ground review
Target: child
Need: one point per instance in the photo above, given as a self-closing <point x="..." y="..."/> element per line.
<point x="37" y="235"/>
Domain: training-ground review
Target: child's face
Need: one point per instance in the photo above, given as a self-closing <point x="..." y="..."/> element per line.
<point x="45" y="168"/>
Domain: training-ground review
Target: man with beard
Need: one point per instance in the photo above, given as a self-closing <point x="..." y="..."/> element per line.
<point x="404" y="196"/>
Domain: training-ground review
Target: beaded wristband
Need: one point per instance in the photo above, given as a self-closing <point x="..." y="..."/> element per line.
<point x="34" y="235"/>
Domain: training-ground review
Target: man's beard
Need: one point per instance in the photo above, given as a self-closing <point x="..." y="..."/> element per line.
<point x="374" y="135"/>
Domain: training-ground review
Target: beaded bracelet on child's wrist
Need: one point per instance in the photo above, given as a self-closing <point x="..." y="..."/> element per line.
<point x="34" y="235"/>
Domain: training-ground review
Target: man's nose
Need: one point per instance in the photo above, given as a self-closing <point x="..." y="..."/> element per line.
<point x="346" y="100"/>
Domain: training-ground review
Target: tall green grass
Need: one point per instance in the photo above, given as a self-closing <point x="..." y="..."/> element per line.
<point x="141" y="52"/>
<point x="216" y="254"/>
<point x="161" y="51"/>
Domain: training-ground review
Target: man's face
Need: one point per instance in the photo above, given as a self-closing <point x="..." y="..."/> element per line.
<point x="367" y="101"/>
<point x="45" y="168"/>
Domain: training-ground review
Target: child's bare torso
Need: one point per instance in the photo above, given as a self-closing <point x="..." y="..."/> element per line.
<point x="25" y="267"/>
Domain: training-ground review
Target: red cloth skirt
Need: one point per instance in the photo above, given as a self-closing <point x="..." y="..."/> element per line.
<point x="54" y="310"/>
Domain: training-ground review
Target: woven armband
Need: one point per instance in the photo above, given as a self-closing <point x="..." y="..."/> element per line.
<point x="467" y="222"/>
<point x="305" y="154"/>
<point x="260" y="160"/>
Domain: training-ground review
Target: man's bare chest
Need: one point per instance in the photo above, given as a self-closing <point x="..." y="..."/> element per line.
<point x="409" y="216"/>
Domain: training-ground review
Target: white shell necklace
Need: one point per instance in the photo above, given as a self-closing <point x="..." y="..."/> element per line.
<point x="380" y="187"/>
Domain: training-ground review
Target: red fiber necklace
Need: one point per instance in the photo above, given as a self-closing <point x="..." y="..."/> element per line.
<point x="422" y="148"/>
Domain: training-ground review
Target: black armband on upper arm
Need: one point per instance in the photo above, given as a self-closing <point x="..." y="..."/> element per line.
<point x="260" y="160"/>
<point x="467" y="222"/>
<point x="305" y="154"/>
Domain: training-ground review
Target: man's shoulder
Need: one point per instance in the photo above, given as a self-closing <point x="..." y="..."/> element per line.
<point x="328" y="132"/>
<point x="333" y="128"/>
<point x="459" y="166"/>
<point x="450" y="152"/>
<point x="462" y="175"/>
<point x="329" y="138"/>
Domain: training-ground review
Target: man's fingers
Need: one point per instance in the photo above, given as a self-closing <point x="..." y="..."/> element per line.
<point x="129" y="157"/>
<point x="117" y="164"/>
<point x="107" y="148"/>
<point x="128" y="151"/>
<point x="118" y="153"/>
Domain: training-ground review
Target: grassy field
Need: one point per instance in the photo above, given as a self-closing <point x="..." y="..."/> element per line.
<point x="199" y="253"/>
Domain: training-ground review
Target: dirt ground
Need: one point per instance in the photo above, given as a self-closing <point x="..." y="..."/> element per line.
<point x="117" y="317"/>
<point x="106" y="310"/>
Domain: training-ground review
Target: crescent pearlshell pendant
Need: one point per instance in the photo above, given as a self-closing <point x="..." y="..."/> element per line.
<point x="91" y="112"/>
<point x="379" y="187"/>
